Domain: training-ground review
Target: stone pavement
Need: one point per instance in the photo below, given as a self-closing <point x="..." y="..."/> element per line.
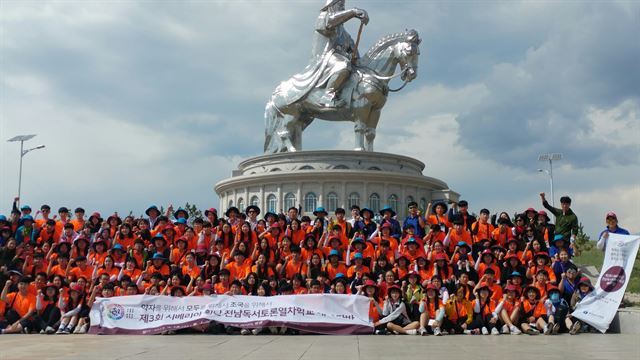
<point x="178" y="347"/>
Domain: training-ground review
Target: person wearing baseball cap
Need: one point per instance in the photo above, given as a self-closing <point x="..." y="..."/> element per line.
<point x="612" y="227"/>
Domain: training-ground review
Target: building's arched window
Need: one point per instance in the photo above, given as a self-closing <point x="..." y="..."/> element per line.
<point x="306" y="167"/>
<point x="341" y="167"/>
<point x="230" y="203"/>
<point x="275" y="169"/>
<point x="393" y="201"/>
<point x="374" y="168"/>
<point x="410" y="199"/>
<point x="374" y="203"/>
<point x="310" y="202"/>
<point x="289" y="201"/>
<point x="423" y="205"/>
<point x="272" y="203"/>
<point x="255" y="201"/>
<point x="332" y="201"/>
<point x="241" y="204"/>
<point x="354" y="199"/>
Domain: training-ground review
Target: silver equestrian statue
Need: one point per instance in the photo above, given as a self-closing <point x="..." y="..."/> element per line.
<point x="338" y="84"/>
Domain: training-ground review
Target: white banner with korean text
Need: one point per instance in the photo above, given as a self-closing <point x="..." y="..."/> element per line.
<point x="599" y="307"/>
<point x="147" y="314"/>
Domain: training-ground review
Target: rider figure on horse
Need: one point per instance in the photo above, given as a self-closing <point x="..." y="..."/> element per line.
<point x="334" y="49"/>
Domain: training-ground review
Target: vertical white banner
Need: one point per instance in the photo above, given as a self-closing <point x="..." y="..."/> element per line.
<point x="600" y="306"/>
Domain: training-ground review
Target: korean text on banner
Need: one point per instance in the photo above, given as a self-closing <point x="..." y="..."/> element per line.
<point x="600" y="306"/>
<point x="145" y="314"/>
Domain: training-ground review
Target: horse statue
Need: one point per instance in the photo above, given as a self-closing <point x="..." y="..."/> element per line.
<point x="361" y="98"/>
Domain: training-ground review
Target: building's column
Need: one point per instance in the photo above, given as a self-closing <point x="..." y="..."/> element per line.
<point x="299" y="199"/>
<point x="261" y="198"/>
<point x="280" y="199"/>
<point x="344" y="197"/>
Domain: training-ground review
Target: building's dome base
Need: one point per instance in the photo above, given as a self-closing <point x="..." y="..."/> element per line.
<point x="334" y="178"/>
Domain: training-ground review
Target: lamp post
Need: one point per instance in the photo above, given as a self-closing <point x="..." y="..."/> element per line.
<point x="550" y="158"/>
<point x="23" y="152"/>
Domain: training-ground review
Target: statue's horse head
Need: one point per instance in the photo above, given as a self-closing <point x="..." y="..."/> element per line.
<point x="409" y="52"/>
<point x="392" y="50"/>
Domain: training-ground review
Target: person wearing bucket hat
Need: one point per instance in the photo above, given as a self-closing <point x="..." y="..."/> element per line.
<point x="358" y="269"/>
<point x="158" y="263"/>
<point x="557" y="311"/>
<point x="395" y="314"/>
<point x="544" y="226"/>
<point x="432" y="312"/>
<point x="510" y="314"/>
<point x="583" y="289"/>
<point x="511" y="263"/>
<point x="413" y="250"/>
<point x="533" y="312"/>
<point x="439" y="216"/>
<point x="26" y="232"/>
<point x="503" y="233"/>
<point x="612" y="228"/>
<point x="541" y="261"/>
<point x="557" y="244"/>
<point x="212" y="215"/>
<point x="366" y="225"/>
<point x="531" y="216"/>
<point x="487" y="260"/>
<point x="485" y="311"/>
<point x="252" y="212"/>
<point x="334" y="266"/>
<point x="320" y="212"/>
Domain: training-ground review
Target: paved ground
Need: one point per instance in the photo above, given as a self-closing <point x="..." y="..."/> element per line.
<point x="178" y="347"/>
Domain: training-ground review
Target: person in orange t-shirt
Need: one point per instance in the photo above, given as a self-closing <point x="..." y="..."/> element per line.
<point x="240" y="267"/>
<point x="503" y="233"/>
<point x="334" y="266"/>
<point x="23" y="303"/>
<point x="456" y="235"/>
<point x="81" y="269"/>
<point x="439" y="216"/>
<point x="533" y="311"/>
<point x="294" y="264"/>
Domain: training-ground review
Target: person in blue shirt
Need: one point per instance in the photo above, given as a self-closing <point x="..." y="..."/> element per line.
<point x="415" y="219"/>
<point x="26" y="232"/>
<point x="612" y="227"/>
<point x="558" y="243"/>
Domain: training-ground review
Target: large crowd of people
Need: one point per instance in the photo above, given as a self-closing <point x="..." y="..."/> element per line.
<point x="437" y="271"/>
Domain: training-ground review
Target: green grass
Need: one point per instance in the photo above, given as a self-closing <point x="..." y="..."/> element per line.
<point x="595" y="257"/>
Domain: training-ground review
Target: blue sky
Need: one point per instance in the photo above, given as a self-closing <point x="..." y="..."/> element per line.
<point x="154" y="102"/>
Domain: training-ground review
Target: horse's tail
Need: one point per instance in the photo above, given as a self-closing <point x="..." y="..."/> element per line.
<point x="272" y="124"/>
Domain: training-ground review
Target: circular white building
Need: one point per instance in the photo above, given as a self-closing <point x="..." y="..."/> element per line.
<point x="331" y="179"/>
